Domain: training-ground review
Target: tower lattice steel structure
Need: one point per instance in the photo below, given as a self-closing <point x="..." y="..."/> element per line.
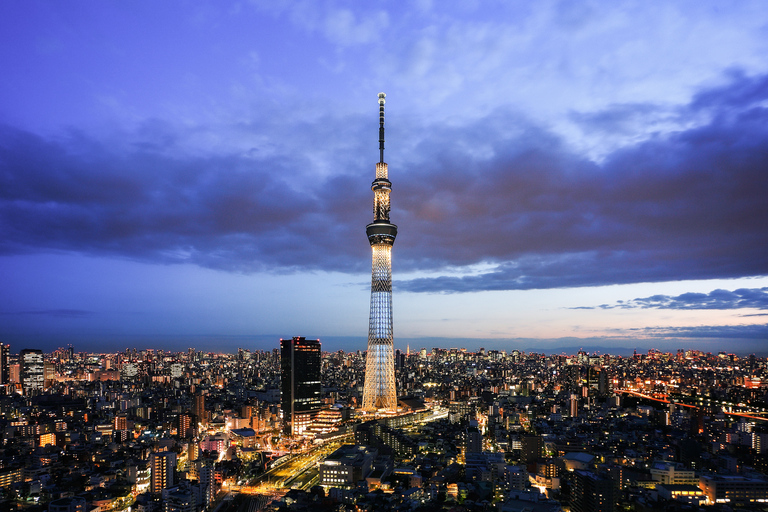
<point x="379" y="391"/>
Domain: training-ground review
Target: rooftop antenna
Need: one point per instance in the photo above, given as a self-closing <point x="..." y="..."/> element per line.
<point x="381" y="126"/>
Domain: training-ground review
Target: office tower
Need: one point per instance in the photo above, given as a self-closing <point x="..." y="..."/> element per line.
<point x="31" y="371"/>
<point x="592" y="493"/>
<point x="379" y="391"/>
<point x="5" y="375"/>
<point x="399" y="360"/>
<point x="49" y="374"/>
<point x="162" y="466"/>
<point x="299" y="383"/>
<point x="198" y="408"/>
<point x="531" y="448"/>
<point x="473" y="442"/>
<point x="573" y="406"/>
<point x="14" y="373"/>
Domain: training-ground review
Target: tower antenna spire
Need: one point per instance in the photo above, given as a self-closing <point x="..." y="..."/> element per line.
<point x="381" y="126"/>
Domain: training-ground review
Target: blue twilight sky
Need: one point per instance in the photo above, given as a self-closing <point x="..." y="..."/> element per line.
<point x="565" y="174"/>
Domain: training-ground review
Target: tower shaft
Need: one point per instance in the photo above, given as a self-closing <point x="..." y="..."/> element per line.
<point x="379" y="391"/>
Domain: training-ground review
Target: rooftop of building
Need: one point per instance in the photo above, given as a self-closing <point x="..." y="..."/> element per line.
<point x="244" y="432"/>
<point x="348" y="455"/>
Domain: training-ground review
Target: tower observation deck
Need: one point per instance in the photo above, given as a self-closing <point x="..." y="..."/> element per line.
<point x="379" y="391"/>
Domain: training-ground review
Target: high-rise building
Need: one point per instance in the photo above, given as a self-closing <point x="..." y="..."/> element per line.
<point x="186" y="425"/>
<point x="5" y="370"/>
<point x="32" y="371"/>
<point x="198" y="408"/>
<point x="473" y="442"/>
<point x="162" y="466"/>
<point x="14" y="372"/>
<point x="399" y="360"/>
<point x="121" y="422"/>
<point x="49" y="374"/>
<point x="573" y="406"/>
<point x="300" y="383"/>
<point x="379" y="391"/>
<point x="531" y="448"/>
<point x="592" y="493"/>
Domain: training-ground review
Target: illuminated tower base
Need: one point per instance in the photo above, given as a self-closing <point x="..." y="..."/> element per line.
<point x="379" y="391"/>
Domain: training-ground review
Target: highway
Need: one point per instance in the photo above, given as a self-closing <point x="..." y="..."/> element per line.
<point x="726" y="407"/>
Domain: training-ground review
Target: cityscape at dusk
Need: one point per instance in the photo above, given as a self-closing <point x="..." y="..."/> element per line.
<point x="307" y="256"/>
<point x="565" y="175"/>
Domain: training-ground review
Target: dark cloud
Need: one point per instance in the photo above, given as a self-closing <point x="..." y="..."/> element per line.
<point x="750" y="332"/>
<point x="740" y="91"/>
<point x="756" y="298"/>
<point x="500" y="191"/>
<point x="622" y="119"/>
<point x="688" y="205"/>
<point x="233" y="212"/>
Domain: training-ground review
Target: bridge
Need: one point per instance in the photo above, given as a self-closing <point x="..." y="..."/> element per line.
<point x="726" y="407"/>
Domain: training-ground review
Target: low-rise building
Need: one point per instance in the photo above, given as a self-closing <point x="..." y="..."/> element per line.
<point x="687" y="493"/>
<point x="346" y="466"/>
<point x="734" y="489"/>
<point x="669" y="473"/>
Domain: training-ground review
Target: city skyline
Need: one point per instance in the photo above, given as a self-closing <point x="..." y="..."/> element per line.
<point x="588" y="175"/>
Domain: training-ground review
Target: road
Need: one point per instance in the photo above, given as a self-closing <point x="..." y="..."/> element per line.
<point x="297" y="471"/>
<point x="727" y="408"/>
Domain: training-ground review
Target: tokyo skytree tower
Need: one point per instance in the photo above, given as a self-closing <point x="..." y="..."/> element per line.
<point x="379" y="391"/>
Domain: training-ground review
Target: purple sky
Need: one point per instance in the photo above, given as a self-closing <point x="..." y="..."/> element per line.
<point x="184" y="173"/>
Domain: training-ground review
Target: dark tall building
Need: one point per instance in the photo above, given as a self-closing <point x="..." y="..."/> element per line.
<point x="531" y="448"/>
<point x="473" y="440"/>
<point x="198" y="408"/>
<point x="399" y="360"/>
<point x="300" y="383"/>
<point x="5" y="376"/>
<point x="32" y="371"/>
<point x="592" y="493"/>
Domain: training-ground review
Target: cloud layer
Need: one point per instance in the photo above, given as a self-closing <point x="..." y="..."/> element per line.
<point x="753" y="298"/>
<point x="501" y="191"/>
<point x="725" y="332"/>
